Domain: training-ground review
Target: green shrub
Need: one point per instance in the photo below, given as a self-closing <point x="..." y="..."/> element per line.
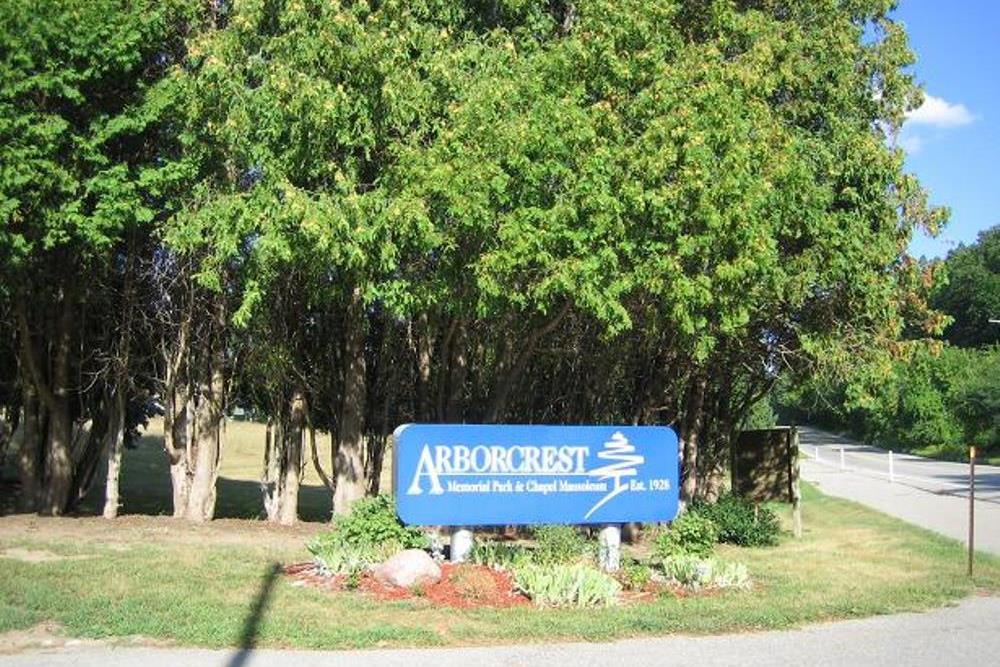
<point x="560" y="545"/>
<point x="691" y="534"/>
<point x="374" y="521"/>
<point x="634" y="576"/>
<point x="738" y="522"/>
<point x="367" y="535"/>
<point x="559" y="585"/>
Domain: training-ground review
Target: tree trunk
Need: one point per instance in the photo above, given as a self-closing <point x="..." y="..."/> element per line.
<point x="58" y="463"/>
<point x="423" y="344"/>
<point x="9" y="418"/>
<point x="116" y="444"/>
<point x="201" y="492"/>
<point x="693" y="418"/>
<point x="510" y="374"/>
<point x="30" y="448"/>
<point x="291" y="473"/>
<point x="54" y="397"/>
<point x="458" y="369"/>
<point x="176" y="434"/>
<point x="208" y="423"/>
<point x="283" y="462"/>
<point x="116" y="434"/>
<point x="349" y="456"/>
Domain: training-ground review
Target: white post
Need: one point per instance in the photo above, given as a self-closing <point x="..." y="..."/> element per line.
<point x="461" y="544"/>
<point x="843" y="466"/>
<point x="892" y="473"/>
<point x="610" y="541"/>
<point x="816" y="455"/>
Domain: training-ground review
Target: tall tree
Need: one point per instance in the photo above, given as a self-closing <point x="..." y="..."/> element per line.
<point x="69" y="155"/>
<point x="971" y="293"/>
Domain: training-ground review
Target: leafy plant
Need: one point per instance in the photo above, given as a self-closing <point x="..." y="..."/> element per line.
<point x="335" y="555"/>
<point x="695" y="573"/>
<point x="739" y="522"/>
<point x="692" y="533"/>
<point x="560" y="545"/>
<point x="353" y="580"/>
<point x="732" y="575"/>
<point x="498" y="555"/>
<point x="367" y="535"/>
<point x="374" y="521"/>
<point x="689" y="571"/>
<point x="635" y="576"/>
<point x="558" y="585"/>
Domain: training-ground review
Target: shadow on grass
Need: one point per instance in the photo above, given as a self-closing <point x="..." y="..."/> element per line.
<point x="251" y="626"/>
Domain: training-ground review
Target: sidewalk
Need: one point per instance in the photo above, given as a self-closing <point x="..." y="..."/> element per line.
<point x="928" y="493"/>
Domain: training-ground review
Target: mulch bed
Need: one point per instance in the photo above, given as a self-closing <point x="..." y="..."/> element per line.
<point x="462" y="586"/>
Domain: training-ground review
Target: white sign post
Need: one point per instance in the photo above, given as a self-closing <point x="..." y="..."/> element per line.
<point x="610" y="541"/>
<point x="461" y="544"/>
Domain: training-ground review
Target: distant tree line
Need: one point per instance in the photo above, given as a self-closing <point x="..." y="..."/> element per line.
<point x="941" y="394"/>
<point x="349" y="215"/>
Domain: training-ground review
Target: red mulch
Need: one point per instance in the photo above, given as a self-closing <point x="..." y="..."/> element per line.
<point x="463" y="586"/>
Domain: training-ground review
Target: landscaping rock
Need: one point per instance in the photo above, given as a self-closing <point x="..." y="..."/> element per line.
<point x="407" y="569"/>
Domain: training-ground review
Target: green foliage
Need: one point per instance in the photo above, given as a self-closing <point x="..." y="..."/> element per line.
<point x="975" y="400"/>
<point x="365" y="536"/>
<point x="335" y="555"/>
<point x="71" y="142"/>
<point x="970" y="295"/>
<point x="688" y="571"/>
<point x="634" y="576"/>
<point x="732" y="575"/>
<point x="373" y="521"/>
<point x="499" y="555"/>
<point x="561" y="585"/>
<point x="692" y="533"/>
<point x="761" y="415"/>
<point x="936" y="400"/>
<point x="554" y="545"/>
<point x="660" y="187"/>
<point x="353" y="579"/>
<point x="560" y="545"/>
<point x="693" y="572"/>
<point x="739" y="522"/>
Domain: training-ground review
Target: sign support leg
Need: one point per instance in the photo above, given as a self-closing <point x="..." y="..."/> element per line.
<point x="461" y="544"/>
<point x="610" y="541"/>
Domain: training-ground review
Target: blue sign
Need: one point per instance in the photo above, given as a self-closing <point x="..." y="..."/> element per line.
<point x="472" y="475"/>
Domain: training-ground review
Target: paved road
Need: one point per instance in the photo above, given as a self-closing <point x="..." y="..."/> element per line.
<point x="928" y="493"/>
<point x="966" y="634"/>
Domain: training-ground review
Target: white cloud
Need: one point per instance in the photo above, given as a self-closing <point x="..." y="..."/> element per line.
<point x="939" y="113"/>
<point x="911" y="144"/>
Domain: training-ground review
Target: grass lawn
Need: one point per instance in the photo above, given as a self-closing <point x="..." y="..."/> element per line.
<point x="213" y="585"/>
<point x="145" y="481"/>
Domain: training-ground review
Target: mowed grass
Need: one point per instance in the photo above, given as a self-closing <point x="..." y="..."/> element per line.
<point x="195" y="586"/>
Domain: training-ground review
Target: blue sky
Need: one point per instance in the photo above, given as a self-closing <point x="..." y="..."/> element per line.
<point x="953" y="142"/>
